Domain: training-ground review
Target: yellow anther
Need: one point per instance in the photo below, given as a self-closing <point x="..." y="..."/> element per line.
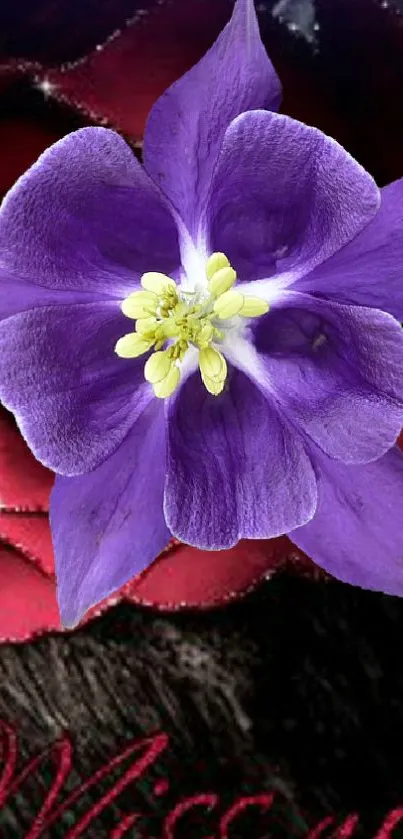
<point x="146" y="326"/>
<point x="178" y="350"/>
<point x="157" y="283"/>
<point x="205" y="335"/>
<point x="132" y="345"/>
<point x="140" y="304"/>
<point x="180" y="310"/>
<point x="222" y="281"/>
<point x="229" y="304"/>
<point x="215" y="262"/>
<point x="158" y="366"/>
<point x="213" y="369"/>
<point x="167" y="386"/>
<point x="212" y="363"/>
<point x="168" y="328"/>
<point x="253" y="307"/>
<point x="214" y="386"/>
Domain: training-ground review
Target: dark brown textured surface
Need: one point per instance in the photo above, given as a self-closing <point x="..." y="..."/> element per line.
<point x="298" y="688"/>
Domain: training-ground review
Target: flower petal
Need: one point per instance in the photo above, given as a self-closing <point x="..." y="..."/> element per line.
<point x="337" y="372"/>
<point x="186" y="125"/>
<point x="84" y="218"/>
<point x="109" y="525"/>
<point x="73" y="398"/>
<point x="368" y="270"/>
<point x="234" y="469"/>
<point x="357" y="531"/>
<point x="284" y="197"/>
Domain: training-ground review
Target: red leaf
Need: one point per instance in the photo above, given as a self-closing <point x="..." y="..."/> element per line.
<point x="27" y="598"/>
<point x="186" y="576"/>
<point x="30" y="535"/>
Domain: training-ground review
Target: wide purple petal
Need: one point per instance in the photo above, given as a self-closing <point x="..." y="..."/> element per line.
<point x="284" y="197"/>
<point x="337" y="372"/>
<point x="85" y="218"/>
<point x="357" y="531"/>
<point x="368" y="270"/>
<point x="17" y="295"/>
<point x="186" y="126"/>
<point x="235" y="469"/>
<point x="109" y="525"/>
<point x="73" y="398"/>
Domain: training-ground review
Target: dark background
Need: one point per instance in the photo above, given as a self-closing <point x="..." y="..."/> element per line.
<point x="300" y="686"/>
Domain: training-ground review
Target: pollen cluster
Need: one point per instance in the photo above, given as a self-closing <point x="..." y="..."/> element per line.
<point x="169" y="320"/>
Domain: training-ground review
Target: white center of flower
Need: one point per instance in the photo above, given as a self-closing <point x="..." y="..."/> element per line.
<point x="170" y="320"/>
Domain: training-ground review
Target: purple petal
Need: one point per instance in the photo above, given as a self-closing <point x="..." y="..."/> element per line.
<point x="85" y="218"/>
<point x="337" y="372"/>
<point x="357" y="531"/>
<point x="109" y="525"/>
<point x="74" y="399"/>
<point x="235" y="469"/>
<point x="284" y="197"/>
<point x="17" y="295"/>
<point x="368" y="270"/>
<point x="187" y="124"/>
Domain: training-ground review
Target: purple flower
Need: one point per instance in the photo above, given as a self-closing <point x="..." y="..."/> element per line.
<point x="206" y="346"/>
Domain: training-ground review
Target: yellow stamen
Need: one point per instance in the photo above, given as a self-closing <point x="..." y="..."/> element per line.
<point x="167" y="328"/>
<point x="215" y="262"/>
<point x="168" y="385"/>
<point x="229" y="304"/>
<point x="140" y="304"/>
<point x="254" y="307"/>
<point x="214" y="386"/>
<point x="157" y="283"/>
<point x="132" y="345"/>
<point x="158" y="366"/>
<point x="213" y="369"/>
<point x="146" y="325"/>
<point x="205" y="335"/>
<point x="221" y="281"/>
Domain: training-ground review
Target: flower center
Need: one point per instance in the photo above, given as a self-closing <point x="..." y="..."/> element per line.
<point x="170" y="320"/>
